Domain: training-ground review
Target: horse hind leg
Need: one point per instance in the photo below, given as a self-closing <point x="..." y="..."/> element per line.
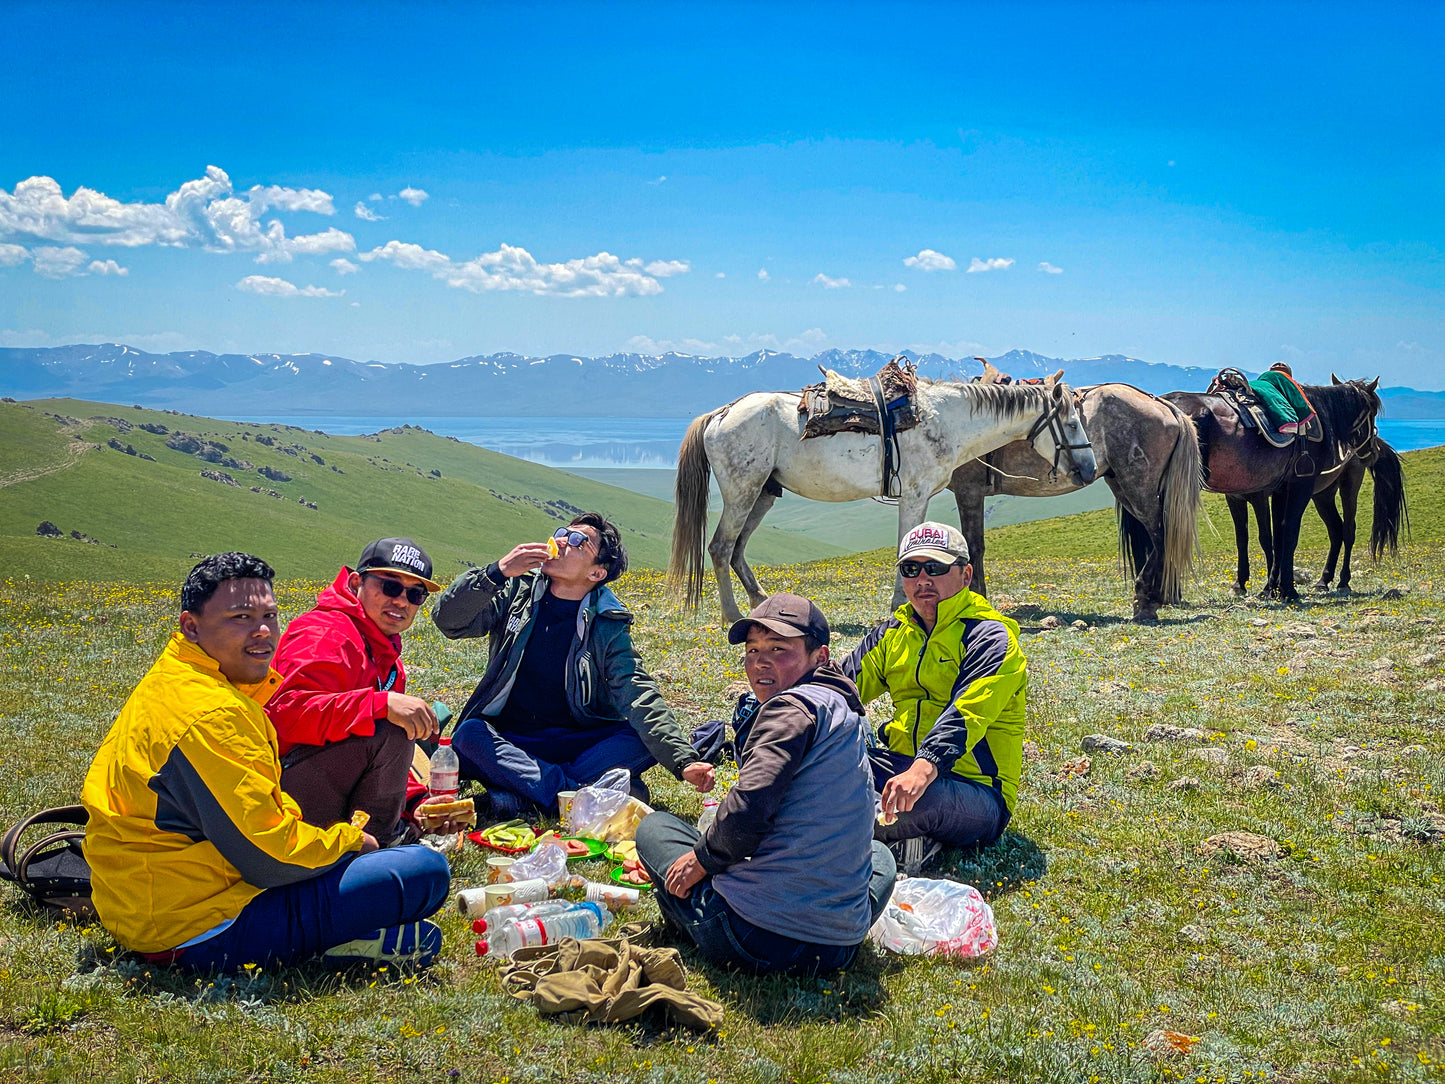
<point x="1335" y="527"/>
<point x="726" y="542"/>
<point x="771" y="492"/>
<point x="1239" y="514"/>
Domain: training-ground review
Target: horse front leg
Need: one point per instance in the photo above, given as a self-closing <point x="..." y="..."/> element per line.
<point x="1325" y="506"/>
<point x="1349" y="501"/>
<point x="912" y="509"/>
<point x="1239" y="513"/>
<point x="739" y="561"/>
<point x="1266" y="517"/>
<point x="1290" y="511"/>
<point x="968" y="485"/>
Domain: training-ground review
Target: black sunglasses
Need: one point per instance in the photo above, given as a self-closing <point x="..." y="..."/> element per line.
<point x="910" y="569"/>
<point x="575" y="539"/>
<point x="415" y="594"/>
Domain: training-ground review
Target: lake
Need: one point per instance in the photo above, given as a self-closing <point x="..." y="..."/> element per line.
<point x="646" y="443"/>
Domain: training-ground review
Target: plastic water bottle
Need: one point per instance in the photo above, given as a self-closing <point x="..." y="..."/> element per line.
<point x="512" y="911"/>
<point x="709" y="814"/>
<point x="445" y="772"/>
<point x="582" y="921"/>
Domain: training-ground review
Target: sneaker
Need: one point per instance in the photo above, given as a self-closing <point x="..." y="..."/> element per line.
<point x="412" y="943"/>
<point x="502" y="805"/>
<point x="913" y="854"/>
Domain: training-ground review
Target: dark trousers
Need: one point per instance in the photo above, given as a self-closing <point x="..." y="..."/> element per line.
<point x="332" y="781"/>
<point x="952" y="810"/>
<point x="538" y="765"/>
<point x="360" y="894"/>
<point x="719" y="932"/>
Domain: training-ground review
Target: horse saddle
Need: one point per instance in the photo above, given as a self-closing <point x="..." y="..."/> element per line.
<point x="839" y="404"/>
<point x="1233" y="387"/>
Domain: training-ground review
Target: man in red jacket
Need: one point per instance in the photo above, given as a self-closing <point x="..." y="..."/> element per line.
<point x="346" y="724"/>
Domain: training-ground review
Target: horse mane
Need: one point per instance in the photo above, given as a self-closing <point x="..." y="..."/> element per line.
<point x="1004" y="400"/>
<point x="1338" y="405"/>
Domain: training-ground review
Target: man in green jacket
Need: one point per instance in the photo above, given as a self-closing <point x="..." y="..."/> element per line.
<point x="564" y="696"/>
<point x="949" y="768"/>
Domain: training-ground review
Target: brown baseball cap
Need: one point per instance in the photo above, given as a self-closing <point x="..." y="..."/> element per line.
<point x="787" y="615"/>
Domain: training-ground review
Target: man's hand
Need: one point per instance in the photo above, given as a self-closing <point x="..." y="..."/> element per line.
<point x="440" y="828"/>
<point x="902" y="792"/>
<point x="523" y="559"/>
<point x="683" y="874"/>
<point x="368" y="843"/>
<point x="701" y="775"/>
<point x="412" y="714"/>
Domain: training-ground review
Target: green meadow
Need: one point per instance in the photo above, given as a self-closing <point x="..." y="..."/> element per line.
<point x="1126" y="910"/>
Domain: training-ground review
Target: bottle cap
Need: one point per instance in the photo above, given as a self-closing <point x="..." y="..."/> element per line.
<point x="444" y="741"/>
<point x="481" y="948"/>
<point x="479" y="926"/>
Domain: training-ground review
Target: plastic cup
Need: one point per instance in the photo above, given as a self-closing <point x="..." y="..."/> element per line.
<point x="564" y="808"/>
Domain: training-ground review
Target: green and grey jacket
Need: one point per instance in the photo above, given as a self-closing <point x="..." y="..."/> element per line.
<point x="604" y="679"/>
<point x="958" y="692"/>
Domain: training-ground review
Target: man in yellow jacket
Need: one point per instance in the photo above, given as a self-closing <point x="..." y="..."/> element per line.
<point x="197" y="857"/>
<point x="953" y="751"/>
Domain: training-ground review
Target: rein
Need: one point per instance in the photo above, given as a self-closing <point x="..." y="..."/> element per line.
<point x="1052" y="420"/>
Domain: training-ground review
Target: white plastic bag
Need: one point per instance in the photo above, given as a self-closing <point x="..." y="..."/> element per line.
<point x="928" y="917"/>
<point x="606" y="810"/>
<point x="548" y="862"/>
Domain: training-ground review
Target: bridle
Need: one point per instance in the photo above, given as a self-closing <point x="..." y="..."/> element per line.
<point x="1052" y="419"/>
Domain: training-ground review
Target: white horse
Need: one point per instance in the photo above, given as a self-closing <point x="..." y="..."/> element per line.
<point x="755" y="446"/>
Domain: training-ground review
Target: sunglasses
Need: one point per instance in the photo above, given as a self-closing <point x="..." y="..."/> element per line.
<point x="575" y="539"/>
<point x="910" y="569"/>
<point x="415" y="594"/>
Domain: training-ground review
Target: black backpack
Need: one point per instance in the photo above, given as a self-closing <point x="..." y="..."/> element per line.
<point x="52" y="870"/>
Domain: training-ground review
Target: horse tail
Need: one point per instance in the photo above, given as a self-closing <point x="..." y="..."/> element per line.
<point x="1390" y="510"/>
<point x="1180" y="496"/>
<point x="685" y="571"/>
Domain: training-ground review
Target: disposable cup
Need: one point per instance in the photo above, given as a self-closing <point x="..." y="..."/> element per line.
<point x="499" y="870"/>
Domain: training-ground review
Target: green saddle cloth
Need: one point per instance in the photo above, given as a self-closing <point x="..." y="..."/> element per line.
<point x="1282" y="401"/>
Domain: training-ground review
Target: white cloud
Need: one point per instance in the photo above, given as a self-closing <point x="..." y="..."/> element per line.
<point x="415" y="196"/>
<point x="929" y="260"/>
<point x="365" y="213"/>
<point x="344" y="266"/>
<point x="998" y="263"/>
<point x="1049" y="269"/>
<point x="291" y="199"/>
<point x="204" y="213"/>
<point x="13" y="255"/>
<point x="827" y="283"/>
<point x="58" y="263"/>
<point x="646" y="344"/>
<point x="721" y="275"/>
<point x="375" y="197"/>
<point x="107" y="267"/>
<point x="667" y="268"/>
<point x="659" y="180"/>
<point x="264" y="286"/>
<point x="763" y="275"/>
<point x="899" y="288"/>
<point x="514" y="268"/>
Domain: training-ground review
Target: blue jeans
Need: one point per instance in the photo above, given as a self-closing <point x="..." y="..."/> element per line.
<point x="295" y="922"/>
<point x="952" y="810"/>
<point x="722" y="935"/>
<point x="536" y="766"/>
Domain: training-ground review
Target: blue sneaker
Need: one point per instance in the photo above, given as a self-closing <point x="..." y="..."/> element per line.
<point x="415" y="943"/>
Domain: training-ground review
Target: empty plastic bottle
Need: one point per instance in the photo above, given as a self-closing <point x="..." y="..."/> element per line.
<point x="581" y="921"/>
<point x="512" y="911"/>
<point x="709" y="814"/>
<point x="445" y="772"/>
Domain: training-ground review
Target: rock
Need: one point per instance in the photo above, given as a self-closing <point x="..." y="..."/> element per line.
<point x="1243" y="845"/>
<point x="1423" y="660"/>
<point x="1299" y="628"/>
<point x="1258" y="622"/>
<point x="1075" y="769"/>
<point x="1399" y="1008"/>
<point x="736" y="689"/>
<point x="1432" y="687"/>
<point x="1031" y="750"/>
<point x="1413" y="751"/>
<point x="1185" y="782"/>
<point x="1166" y="732"/>
<point x="1145" y="769"/>
<point x="1211" y="754"/>
<point x="1196" y="934"/>
<point x="1168" y="1044"/>
<point x="1102" y="743"/>
<point x="1259" y="775"/>
<point x="49" y="530"/>
<point x="1050" y="622"/>
<point x="1080" y="624"/>
<point x="1392" y="594"/>
<point x="1384" y="662"/>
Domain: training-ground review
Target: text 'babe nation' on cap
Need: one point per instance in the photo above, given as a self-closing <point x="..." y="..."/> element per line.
<point x="932" y="541"/>
<point x="787" y="615"/>
<point x="398" y="555"/>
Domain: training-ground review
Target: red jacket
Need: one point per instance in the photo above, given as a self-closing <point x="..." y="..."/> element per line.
<point x="336" y="669"/>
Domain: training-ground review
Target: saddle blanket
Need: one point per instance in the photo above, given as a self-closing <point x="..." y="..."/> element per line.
<point x="839" y="404"/>
<point x="1273" y="417"/>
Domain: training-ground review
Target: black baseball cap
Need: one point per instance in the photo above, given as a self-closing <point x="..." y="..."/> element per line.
<point x="787" y="615"/>
<point x="398" y="555"/>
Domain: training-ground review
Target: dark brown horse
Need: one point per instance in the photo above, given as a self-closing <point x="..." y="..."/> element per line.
<point x="1238" y="462"/>
<point x="1389" y="512"/>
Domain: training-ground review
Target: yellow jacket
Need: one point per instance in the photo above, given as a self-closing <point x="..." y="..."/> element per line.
<point x="188" y="822"/>
<point x="958" y="693"/>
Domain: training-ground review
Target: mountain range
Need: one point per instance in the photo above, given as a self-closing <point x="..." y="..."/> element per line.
<point x="511" y="385"/>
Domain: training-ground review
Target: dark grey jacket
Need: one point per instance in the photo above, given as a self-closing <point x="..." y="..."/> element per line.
<point x="604" y="679"/>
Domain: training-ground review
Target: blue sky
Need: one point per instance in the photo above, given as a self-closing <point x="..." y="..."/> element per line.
<point x="1199" y="184"/>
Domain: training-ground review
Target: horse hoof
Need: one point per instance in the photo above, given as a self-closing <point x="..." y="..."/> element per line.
<point x="1237" y="589"/>
<point x="1323" y="586"/>
<point x="1146" y="615"/>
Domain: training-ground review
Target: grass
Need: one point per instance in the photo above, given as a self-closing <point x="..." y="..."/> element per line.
<point x="1319" y="728"/>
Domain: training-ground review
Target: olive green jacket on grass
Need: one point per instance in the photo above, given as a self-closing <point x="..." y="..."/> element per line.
<point x="604" y="678"/>
<point x="958" y="693"/>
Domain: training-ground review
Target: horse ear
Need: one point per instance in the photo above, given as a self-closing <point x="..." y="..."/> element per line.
<point x="1373" y="384"/>
<point x="1051" y="381"/>
<point x="1335" y="380"/>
